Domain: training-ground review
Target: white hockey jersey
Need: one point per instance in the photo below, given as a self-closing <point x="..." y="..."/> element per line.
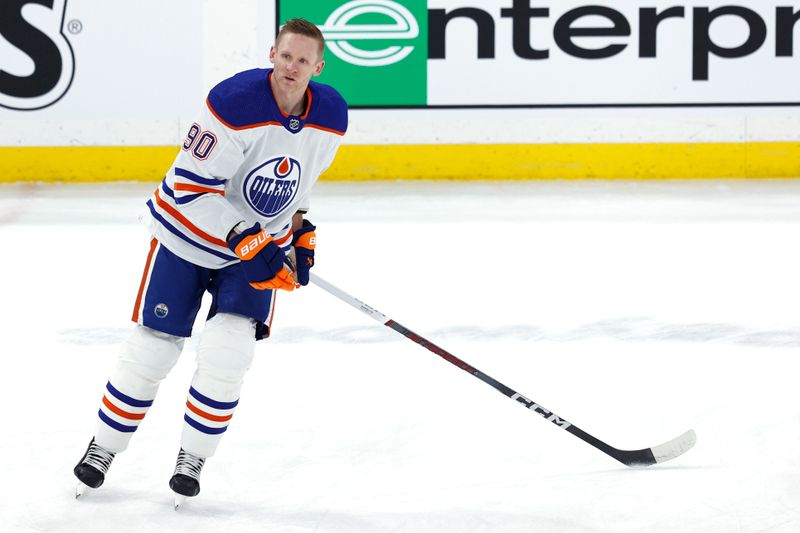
<point x="244" y="160"/>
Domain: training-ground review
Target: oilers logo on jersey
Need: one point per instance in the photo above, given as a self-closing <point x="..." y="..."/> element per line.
<point x="270" y="187"/>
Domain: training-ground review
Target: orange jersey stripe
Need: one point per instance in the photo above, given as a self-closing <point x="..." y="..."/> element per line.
<point x="308" y="104"/>
<point x="207" y="416"/>
<point x="268" y="123"/>
<point x="323" y="128"/>
<point x="308" y="101"/>
<point x="196" y="188"/>
<point x="283" y="239"/>
<point x="185" y="221"/>
<point x="153" y="244"/>
<point x="124" y="414"/>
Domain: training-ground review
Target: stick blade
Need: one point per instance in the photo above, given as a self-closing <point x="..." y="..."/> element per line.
<point x="657" y="454"/>
<point x="674" y="448"/>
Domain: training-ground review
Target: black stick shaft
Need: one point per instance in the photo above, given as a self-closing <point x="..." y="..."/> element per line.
<point x="647" y="456"/>
<point x="641" y="457"/>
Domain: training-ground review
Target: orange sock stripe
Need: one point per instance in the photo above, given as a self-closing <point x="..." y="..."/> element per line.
<point x="153" y="244"/>
<point x="207" y="416"/>
<point x="124" y="414"/>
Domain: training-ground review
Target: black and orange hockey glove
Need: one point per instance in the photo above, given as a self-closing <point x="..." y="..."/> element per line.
<point x="304" y="242"/>
<point x="262" y="260"/>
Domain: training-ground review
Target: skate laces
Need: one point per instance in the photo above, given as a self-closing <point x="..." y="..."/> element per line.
<point x="98" y="457"/>
<point x="189" y="465"/>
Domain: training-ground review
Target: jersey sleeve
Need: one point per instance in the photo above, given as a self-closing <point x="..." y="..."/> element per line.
<point x="209" y="157"/>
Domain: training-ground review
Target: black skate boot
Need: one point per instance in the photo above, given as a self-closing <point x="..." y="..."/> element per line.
<point x="185" y="482"/>
<point x="91" y="469"/>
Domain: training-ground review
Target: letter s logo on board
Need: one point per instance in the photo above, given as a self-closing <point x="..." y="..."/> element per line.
<point x="37" y="69"/>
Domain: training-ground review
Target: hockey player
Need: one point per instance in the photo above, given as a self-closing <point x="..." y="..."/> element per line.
<point x="224" y="220"/>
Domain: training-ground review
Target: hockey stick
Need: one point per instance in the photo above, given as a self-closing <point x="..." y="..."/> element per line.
<point x="645" y="457"/>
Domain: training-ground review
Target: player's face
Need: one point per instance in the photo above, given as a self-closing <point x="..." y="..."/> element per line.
<point x="296" y="60"/>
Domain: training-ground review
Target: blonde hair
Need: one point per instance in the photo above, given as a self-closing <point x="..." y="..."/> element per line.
<point x="302" y="27"/>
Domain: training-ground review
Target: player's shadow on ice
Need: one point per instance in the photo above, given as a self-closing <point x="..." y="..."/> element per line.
<point x="624" y="329"/>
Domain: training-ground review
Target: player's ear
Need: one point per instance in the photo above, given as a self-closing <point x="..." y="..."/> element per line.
<point x="318" y="68"/>
<point x="272" y="54"/>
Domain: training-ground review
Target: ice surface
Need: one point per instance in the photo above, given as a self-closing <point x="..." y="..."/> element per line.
<point x="634" y="310"/>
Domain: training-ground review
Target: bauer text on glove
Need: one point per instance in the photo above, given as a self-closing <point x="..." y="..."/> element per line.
<point x="261" y="259"/>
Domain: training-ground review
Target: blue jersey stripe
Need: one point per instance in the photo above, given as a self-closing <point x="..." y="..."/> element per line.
<point x="180" y="234"/>
<point x="186" y="199"/>
<point x="183" y="199"/>
<point x="169" y="192"/>
<point x="203" y="429"/>
<point x="211" y="403"/>
<point x="127" y="399"/>
<point x="114" y="424"/>
<point x="182" y="172"/>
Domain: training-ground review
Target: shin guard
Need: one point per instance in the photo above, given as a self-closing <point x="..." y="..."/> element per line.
<point x="224" y="354"/>
<point x="146" y="359"/>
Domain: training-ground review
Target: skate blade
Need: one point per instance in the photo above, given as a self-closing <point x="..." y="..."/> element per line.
<point x="179" y="500"/>
<point x="81" y="489"/>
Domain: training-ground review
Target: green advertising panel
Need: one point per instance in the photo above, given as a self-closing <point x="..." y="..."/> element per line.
<point x="376" y="50"/>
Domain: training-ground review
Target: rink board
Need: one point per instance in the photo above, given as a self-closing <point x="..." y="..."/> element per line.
<point x="438" y="162"/>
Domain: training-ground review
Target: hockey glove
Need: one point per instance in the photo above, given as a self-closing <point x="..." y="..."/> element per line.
<point x="262" y="260"/>
<point x="304" y="242"/>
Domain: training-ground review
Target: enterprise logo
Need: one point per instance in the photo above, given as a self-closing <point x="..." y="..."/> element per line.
<point x="339" y="32"/>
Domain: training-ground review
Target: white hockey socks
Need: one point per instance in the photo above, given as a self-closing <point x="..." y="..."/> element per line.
<point x="146" y="359"/>
<point x="224" y="354"/>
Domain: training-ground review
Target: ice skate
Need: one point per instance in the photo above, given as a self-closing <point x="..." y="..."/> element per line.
<point x="92" y="468"/>
<point x="185" y="482"/>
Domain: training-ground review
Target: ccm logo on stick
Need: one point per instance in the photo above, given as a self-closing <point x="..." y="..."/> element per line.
<point x="539" y="410"/>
